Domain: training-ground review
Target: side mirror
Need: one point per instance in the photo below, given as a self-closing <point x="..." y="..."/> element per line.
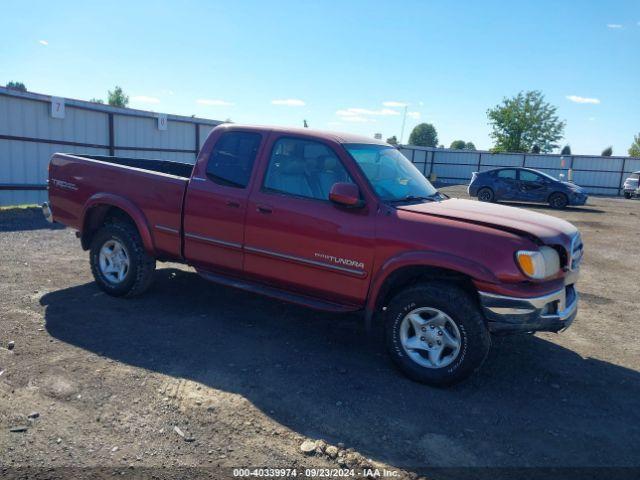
<point x="346" y="195"/>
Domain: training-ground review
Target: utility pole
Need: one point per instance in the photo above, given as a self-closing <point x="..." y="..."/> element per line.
<point x="404" y="120"/>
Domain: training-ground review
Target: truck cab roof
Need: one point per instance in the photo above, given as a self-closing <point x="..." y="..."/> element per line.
<point x="338" y="137"/>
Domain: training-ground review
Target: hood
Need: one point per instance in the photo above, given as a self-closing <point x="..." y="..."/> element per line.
<point x="573" y="186"/>
<point x="545" y="228"/>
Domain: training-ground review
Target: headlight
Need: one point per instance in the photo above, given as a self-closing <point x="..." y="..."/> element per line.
<point x="541" y="264"/>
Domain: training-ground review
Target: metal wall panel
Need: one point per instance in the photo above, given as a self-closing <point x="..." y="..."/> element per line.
<point x="502" y="159"/>
<point x="205" y="130"/>
<point x="25" y="163"/>
<point x="455" y="156"/>
<point x="547" y="161"/>
<point x="610" y="164"/>
<point x="27" y="116"/>
<point x="599" y="175"/>
<point x="458" y="172"/>
<point x="143" y="132"/>
<point x="30" y="118"/>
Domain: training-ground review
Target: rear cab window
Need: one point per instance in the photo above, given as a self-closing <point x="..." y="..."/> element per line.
<point x="232" y="158"/>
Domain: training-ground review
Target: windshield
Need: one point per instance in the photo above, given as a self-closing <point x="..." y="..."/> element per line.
<point x="391" y="175"/>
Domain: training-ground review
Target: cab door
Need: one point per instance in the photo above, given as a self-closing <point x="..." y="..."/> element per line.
<point x="506" y="184"/>
<point x="295" y="237"/>
<point x="533" y="187"/>
<point x="216" y="202"/>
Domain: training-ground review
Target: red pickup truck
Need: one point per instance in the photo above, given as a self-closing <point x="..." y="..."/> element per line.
<point x="334" y="222"/>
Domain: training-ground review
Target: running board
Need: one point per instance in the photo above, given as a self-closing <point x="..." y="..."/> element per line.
<point x="261" y="289"/>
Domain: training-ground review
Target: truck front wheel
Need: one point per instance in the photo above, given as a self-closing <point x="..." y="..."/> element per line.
<point x="119" y="263"/>
<point x="435" y="333"/>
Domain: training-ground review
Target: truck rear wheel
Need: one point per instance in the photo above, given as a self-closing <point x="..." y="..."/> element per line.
<point x="435" y="333"/>
<point x="119" y="263"/>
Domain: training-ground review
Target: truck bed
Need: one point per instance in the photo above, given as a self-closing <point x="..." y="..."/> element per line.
<point x="154" y="189"/>
<point x="169" y="167"/>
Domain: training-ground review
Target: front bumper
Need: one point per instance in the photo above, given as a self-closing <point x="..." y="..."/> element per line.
<point x="578" y="199"/>
<point x="548" y="313"/>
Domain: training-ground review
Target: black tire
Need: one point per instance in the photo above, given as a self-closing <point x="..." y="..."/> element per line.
<point x="558" y="200"/>
<point x="139" y="275"/>
<point x="485" y="194"/>
<point x="462" y="309"/>
<point x="627" y="195"/>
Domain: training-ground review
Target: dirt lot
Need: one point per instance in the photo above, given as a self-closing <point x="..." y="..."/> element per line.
<point x="248" y="379"/>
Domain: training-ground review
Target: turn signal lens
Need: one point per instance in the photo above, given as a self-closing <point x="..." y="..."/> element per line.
<point x="526" y="263"/>
<point x="540" y="264"/>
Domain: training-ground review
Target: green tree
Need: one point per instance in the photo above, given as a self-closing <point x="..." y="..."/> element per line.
<point x="17" y="86"/>
<point x="470" y="146"/>
<point x="520" y="122"/>
<point x="535" y="149"/>
<point x="424" y="135"/>
<point x="634" y="149"/>
<point x="117" y="98"/>
<point x="392" y="141"/>
<point x="607" y="152"/>
<point x="458" y="145"/>
<point x="96" y="100"/>
<point x="566" y="150"/>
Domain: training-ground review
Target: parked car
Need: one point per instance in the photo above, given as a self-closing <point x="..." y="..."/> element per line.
<point x="334" y="222"/>
<point x="526" y="185"/>
<point x="631" y="186"/>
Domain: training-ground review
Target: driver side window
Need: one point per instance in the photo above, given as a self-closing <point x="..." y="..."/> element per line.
<point x="530" y="177"/>
<point x="304" y="168"/>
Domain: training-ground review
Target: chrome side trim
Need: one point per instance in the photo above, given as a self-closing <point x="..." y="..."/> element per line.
<point x="164" y="228"/>
<point x="214" y="241"/>
<point x="270" y="253"/>
<point x="199" y="179"/>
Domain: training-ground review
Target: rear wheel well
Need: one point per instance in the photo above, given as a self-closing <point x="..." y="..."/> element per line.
<point x="99" y="215"/>
<point x="408" y="276"/>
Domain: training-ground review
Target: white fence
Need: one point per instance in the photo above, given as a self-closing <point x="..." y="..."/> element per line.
<point x="34" y="126"/>
<point x="599" y="175"/>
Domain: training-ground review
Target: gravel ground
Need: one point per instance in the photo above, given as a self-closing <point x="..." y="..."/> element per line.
<point x="246" y="380"/>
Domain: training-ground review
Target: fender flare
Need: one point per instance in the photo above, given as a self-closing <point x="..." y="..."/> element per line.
<point x="111" y="200"/>
<point x="454" y="263"/>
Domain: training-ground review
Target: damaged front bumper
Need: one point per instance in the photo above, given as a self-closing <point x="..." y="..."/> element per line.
<point x="548" y="313"/>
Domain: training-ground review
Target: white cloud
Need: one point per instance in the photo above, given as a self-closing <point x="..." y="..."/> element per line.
<point x="43" y="42"/>
<point x="577" y="99"/>
<point x="289" y="102"/>
<point x="145" y="99"/>
<point x="614" y="25"/>
<point x="592" y="119"/>
<point x="415" y="115"/>
<point x="214" y="102"/>
<point x="394" y="104"/>
<point x="359" y="112"/>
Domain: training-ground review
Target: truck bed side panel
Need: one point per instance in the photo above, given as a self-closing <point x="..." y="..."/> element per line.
<point x="77" y="184"/>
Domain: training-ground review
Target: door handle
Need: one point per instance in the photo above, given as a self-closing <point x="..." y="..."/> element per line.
<point x="233" y="203"/>
<point x="263" y="209"/>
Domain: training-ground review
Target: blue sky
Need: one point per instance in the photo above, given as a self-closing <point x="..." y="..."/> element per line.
<point x="342" y="65"/>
